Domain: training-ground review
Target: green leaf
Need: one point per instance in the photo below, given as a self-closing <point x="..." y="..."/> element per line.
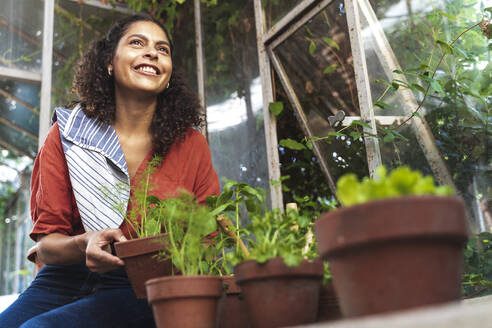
<point x="417" y="87"/>
<point x="330" y="69"/>
<point x="436" y="86"/>
<point x="389" y="137"/>
<point x="276" y="107"/>
<point x="336" y="134"/>
<point x="312" y="48"/>
<point x="331" y="43"/>
<point x="446" y="47"/>
<point x="451" y="17"/>
<point x="355" y="135"/>
<point x="363" y="124"/>
<point x="382" y="104"/>
<point x="291" y="144"/>
<point x="398" y="71"/>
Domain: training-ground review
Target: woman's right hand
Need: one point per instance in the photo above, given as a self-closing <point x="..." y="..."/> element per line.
<point x="98" y="255"/>
<point x="92" y="247"/>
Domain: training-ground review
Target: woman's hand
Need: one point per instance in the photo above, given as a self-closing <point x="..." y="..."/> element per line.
<point x="98" y="255"/>
<point x="91" y="247"/>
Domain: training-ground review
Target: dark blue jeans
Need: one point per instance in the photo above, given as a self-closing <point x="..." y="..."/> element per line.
<point x="73" y="296"/>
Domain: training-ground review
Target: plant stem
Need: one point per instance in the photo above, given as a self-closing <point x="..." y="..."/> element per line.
<point x="433" y="74"/>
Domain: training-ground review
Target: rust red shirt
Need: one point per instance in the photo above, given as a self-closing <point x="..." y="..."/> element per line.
<point x="187" y="166"/>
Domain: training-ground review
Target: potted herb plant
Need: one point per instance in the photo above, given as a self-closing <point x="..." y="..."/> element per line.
<point x="280" y="278"/>
<point x="397" y="243"/>
<point x="140" y="254"/>
<point x="189" y="299"/>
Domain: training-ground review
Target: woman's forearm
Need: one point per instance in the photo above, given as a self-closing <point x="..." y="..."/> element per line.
<point x="59" y="249"/>
<point x="91" y="247"/>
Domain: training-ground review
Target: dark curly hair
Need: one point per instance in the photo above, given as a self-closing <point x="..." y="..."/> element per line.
<point x="178" y="107"/>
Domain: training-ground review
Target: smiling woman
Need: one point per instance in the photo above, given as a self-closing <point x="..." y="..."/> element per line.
<point x="132" y="105"/>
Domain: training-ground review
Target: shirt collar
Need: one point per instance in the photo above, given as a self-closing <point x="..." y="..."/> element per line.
<point x="92" y="134"/>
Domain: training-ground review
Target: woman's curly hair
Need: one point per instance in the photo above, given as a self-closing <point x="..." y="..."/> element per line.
<point x="178" y="107"/>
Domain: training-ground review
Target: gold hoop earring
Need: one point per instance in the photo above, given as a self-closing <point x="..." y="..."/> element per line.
<point x="167" y="87"/>
<point x="110" y="71"/>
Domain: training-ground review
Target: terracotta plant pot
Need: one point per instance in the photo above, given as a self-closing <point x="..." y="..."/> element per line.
<point x="394" y="254"/>
<point x="328" y="307"/>
<point x="141" y="263"/>
<point x="184" y="301"/>
<point x="231" y="312"/>
<point x="277" y="295"/>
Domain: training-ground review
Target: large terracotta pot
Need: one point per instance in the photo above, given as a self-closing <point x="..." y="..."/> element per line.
<point x="141" y="262"/>
<point x="395" y="253"/>
<point x="184" y="301"/>
<point x="277" y="295"/>
<point x="232" y="311"/>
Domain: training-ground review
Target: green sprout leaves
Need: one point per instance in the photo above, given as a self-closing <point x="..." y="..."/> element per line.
<point x="401" y="181"/>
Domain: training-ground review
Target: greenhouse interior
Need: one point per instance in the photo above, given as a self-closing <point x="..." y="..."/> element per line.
<point x="296" y="94"/>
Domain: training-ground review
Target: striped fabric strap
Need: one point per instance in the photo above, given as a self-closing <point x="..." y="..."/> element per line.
<point x="97" y="169"/>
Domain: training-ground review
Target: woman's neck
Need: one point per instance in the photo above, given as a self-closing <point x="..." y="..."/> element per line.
<point x="134" y="115"/>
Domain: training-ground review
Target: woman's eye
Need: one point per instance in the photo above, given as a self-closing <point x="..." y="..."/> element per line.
<point x="164" y="50"/>
<point x="136" y="42"/>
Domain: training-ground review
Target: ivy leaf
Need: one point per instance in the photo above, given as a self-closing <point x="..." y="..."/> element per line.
<point x="312" y="48"/>
<point x="276" y="107"/>
<point x="446" y="47"/>
<point x="291" y="144"/>
<point x="331" y="43"/>
<point x="330" y="69"/>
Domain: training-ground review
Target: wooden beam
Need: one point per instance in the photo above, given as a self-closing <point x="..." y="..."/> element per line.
<point x="18" y="128"/>
<point x="28" y="37"/>
<point x="19" y="101"/>
<point x="17" y="150"/>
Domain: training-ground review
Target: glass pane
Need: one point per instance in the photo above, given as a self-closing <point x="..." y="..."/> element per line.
<point x="457" y="106"/>
<point x="318" y="62"/>
<point x="233" y="93"/>
<point x="276" y="9"/>
<point x="75" y="26"/>
<point x="15" y="105"/>
<point x="21" y="27"/>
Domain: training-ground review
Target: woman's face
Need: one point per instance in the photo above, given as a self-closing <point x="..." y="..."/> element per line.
<point x="142" y="60"/>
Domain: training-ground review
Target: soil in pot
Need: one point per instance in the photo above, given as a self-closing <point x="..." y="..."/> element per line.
<point x="328" y="307"/>
<point x="277" y="295"/>
<point x="184" y="301"/>
<point x="394" y="254"/>
<point x="231" y="311"/>
<point x="141" y="261"/>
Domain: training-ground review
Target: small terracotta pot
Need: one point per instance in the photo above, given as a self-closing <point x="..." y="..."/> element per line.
<point x="184" y="301"/>
<point x="394" y="254"/>
<point x="231" y="312"/>
<point x="141" y="262"/>
<point x="277" y="295"/>
<point x="328" y="307"/>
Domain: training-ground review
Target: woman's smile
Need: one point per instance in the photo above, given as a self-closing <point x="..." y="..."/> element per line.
<point x="145" y="49"/>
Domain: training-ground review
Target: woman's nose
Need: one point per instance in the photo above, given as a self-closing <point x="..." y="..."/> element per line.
<point x="151" y="53"/>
